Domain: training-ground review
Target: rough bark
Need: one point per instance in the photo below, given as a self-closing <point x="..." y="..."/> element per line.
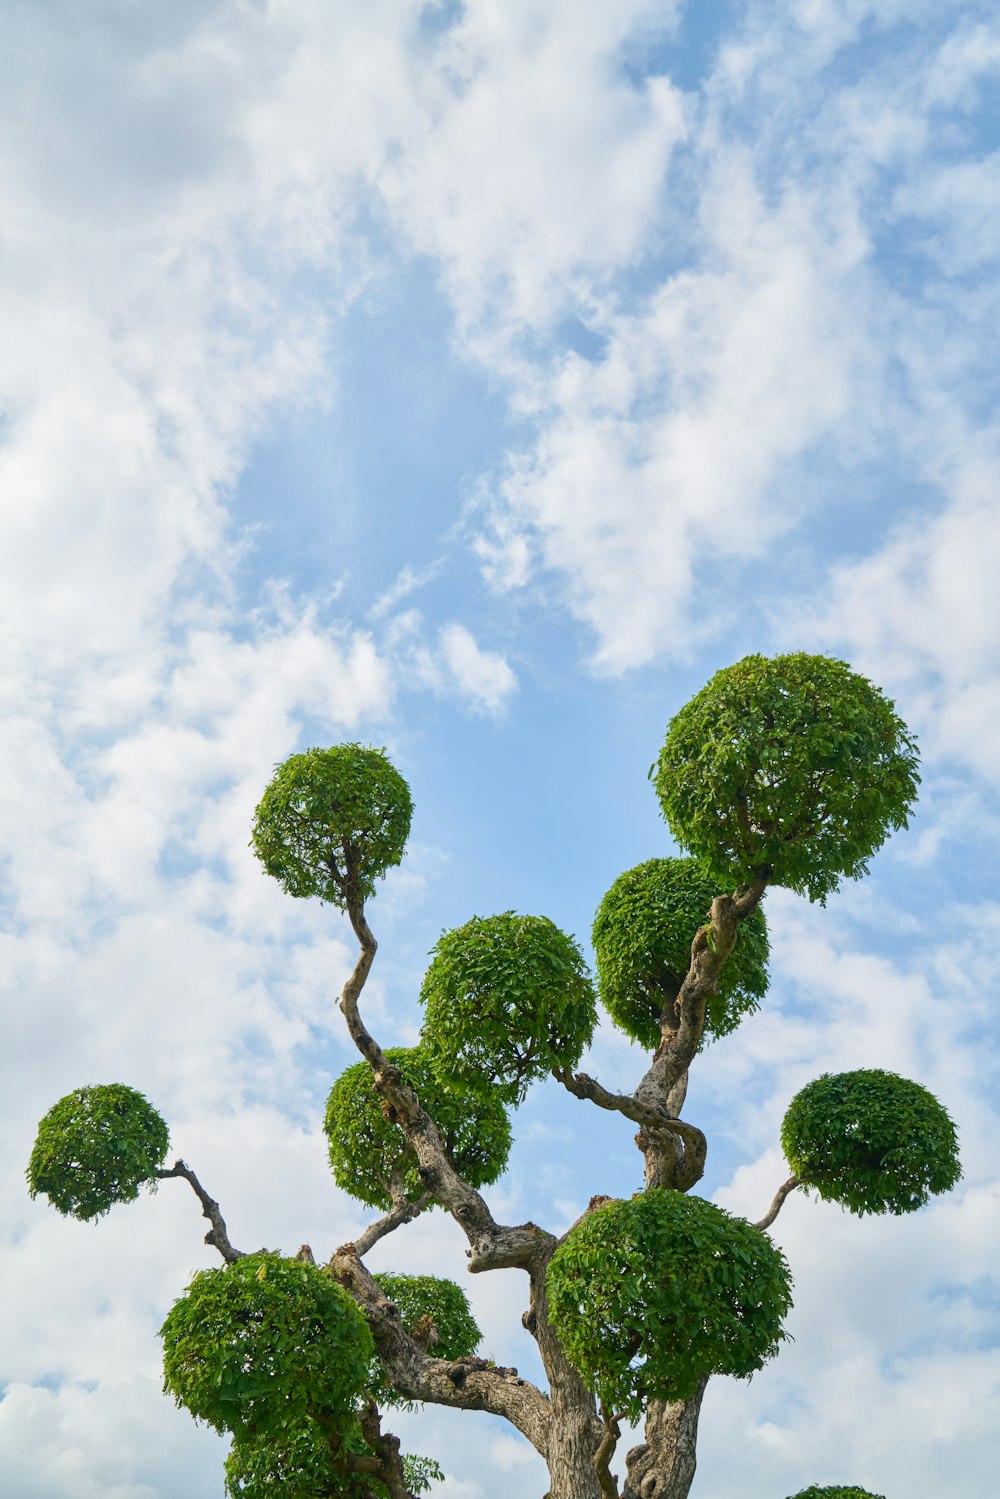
<point x="218" y="1235"/>
<point x="467" y="1384"/>
<point x="663" y="1466"/>
<point x="575" y="1432"/>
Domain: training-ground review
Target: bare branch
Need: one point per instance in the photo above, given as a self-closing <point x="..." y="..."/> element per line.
<point x="217" y="1236"/>
<point x="655" y="1122"/>
<point x="401" y="1212"/>
<point x="466" y="1383"/>
<point x="779" y="1201"/>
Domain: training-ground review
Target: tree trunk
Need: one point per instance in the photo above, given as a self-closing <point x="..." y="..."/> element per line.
<point x="663" y="1467"/>
<point x="571" y="1449"/>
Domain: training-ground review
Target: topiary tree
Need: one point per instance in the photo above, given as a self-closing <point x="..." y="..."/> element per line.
<point x="789" y="771"/>
<point x="837" y="1492"/>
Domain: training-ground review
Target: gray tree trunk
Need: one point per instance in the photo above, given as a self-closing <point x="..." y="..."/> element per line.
<point x="663" y="1466"/>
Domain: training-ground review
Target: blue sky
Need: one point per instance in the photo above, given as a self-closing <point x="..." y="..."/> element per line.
<point x="475" y="381"/>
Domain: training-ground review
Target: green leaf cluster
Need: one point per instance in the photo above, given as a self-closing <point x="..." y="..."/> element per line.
<point x="367" y="1150"/>
<point x="642" y="939"/>
<point x="437" y="1313"/>
<point x="838" y="1491"/>
<point x="794" y="767"/>
<point x="871" y="1140"/>
<point x="96" y="1147"/>
<point x="650" y="1295"/>
<point x="258" y="1346"/>
<point x="305" y="1465"/>
<point x="332" y="821"/>
<point x="507" y="999"/>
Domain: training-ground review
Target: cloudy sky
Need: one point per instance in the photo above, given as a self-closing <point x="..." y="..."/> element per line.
<point x="475" y="380"/>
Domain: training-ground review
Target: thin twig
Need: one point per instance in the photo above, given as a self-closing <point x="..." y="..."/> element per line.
<point x="779" y="1201"/>
<point x="217" y="1236"/>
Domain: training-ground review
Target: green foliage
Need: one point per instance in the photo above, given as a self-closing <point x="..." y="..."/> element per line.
<point x="424" y="1300"/>
<point x="642" y="938"/>
<point x="332" y="821"/>
<point x="837" y="1492"/>
<point x="304" y="1466"/>
<point x="872" y="1141"/>
<point x="96" y="1147"/>
<point x="649" y="1295"/>
<point x="256" y="1347"/>
<point x="793" y="767"/>
<point x="367" y="1150"/>
<point x="508" y="999"/>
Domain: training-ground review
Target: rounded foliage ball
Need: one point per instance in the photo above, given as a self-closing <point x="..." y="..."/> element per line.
<point x="367" y="1150"/>
<point x="437" y="1314"/>
<point x="792" y="768"/>
<point x="297" y="1465"/>
<point x="96" y="1147"/>
<point x="332" y="822"/>
<point x="642" y="939"/>
<point x="651" y="1295"/>
<point x="256" y="1347"/>
<point x="838" y="1491"/>
<point x="301" y="1465"/>
<point x="507" y="1000"/>
<point x="872" y="1141"/>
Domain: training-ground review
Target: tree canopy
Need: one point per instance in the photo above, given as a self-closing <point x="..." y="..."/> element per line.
<point x="95" y="1148"/>
<point x="256" y="1347"/>
<point x="330" y="819"/>
<point x="651" y="1295"/>
<point x="642" y="939"/>
<point x="507" y="999"/>
<point x="791" y="768"/>
<point x="871" y="1140"/>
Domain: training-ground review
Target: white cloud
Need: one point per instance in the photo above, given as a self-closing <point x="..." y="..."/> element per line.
<point x="537" y="166"/>
<point x="658" y="461"/>
<point x="484" y="676"/>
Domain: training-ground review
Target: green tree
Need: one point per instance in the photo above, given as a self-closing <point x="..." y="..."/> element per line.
<point x="790" y="771"/>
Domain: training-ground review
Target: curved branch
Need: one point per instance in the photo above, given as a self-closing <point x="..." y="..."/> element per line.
<point x="710" y="948"/>
<point x="492" y="1246"/>
<point x="779" y="1201"/>
<point x="401" y="1212"/>
<point x="655" y="1122"/>
<point x="466" y="1383"/>
<point x="217" y="1236"/>
<point x="605" y="1452"/>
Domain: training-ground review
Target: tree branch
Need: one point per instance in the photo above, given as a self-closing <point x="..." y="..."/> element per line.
<point x="779" y="1201"/>
<point x="217" y="1236"/>
<point x="386" y="1449"/>
<point x="654" y="1119"/>
<point x="710" y="948"/>
<point x="605" y="1452"/>
<point x="401" y="1212"/>
<point x="467" y="1383"/>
